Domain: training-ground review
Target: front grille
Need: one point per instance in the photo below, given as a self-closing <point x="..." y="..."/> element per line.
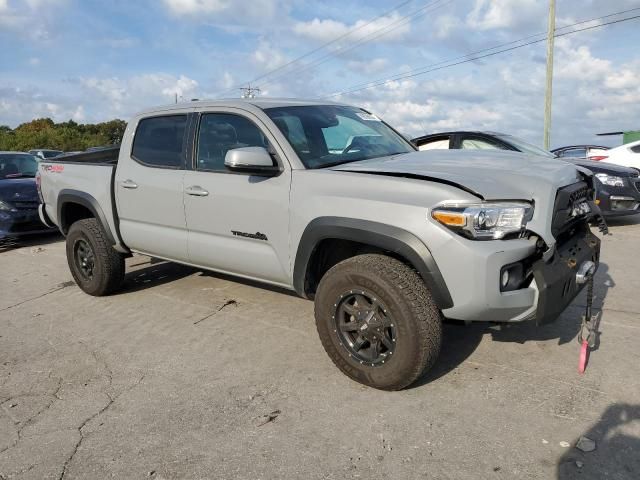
<point x="567" y="199"/>
<point x="25" y="205"/>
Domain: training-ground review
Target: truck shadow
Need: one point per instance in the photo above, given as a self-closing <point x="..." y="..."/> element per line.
<point x="617" y="453"/>
<point x="147" y="272"/>
<point x="460" y="340"/>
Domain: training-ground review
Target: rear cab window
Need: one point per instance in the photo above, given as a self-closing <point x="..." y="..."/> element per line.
<point x="160" y="141"/>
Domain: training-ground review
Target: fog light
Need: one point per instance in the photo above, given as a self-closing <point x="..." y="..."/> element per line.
<point x="505" y="279"/>
<point x="512" y="277"/>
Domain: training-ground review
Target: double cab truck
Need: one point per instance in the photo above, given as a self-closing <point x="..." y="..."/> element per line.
<point x="328" y="200"/>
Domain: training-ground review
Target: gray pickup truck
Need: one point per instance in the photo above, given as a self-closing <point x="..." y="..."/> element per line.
<point x="328" y="200"/>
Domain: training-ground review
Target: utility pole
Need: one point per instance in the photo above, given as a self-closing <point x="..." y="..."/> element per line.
<point x="249" y="92"/>
<point x="551" y="33"/>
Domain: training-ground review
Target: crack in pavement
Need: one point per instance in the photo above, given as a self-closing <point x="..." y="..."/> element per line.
<point x="112" y="400"/>
<point x="30" y="420"/>
<point x="60" y="286"/>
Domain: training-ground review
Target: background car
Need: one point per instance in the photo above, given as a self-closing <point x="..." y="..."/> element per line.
<point x="618" y="187"/>
<point x="45" y="152"/>
<point x="588" y="152"/>
<point x="19" y="196"/>
<point x="627" y="155"/>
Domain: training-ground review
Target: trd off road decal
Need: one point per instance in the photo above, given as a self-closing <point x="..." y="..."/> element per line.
<point x="257" y="235"/>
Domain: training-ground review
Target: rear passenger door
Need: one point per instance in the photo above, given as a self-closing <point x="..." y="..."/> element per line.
<point x="149" y="187"/>
<point x="238" y="222"/>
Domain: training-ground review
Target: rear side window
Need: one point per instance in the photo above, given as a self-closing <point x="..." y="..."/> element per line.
<point x="159" y="141"/>
<point x="574" y="153"/>
<point x="435" y="143"/>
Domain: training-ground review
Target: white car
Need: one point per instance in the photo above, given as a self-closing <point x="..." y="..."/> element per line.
<point x="627" y="155"/>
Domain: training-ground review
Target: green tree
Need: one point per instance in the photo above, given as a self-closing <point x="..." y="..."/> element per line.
<point x="66" y="136"/>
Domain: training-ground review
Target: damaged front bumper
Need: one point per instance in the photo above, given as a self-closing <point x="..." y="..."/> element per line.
<point x="560" y="279"/>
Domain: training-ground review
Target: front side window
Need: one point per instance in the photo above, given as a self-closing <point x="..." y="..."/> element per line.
<point x="221" y="132"/>
<point x="159" y="141"/>
<point x="479" y="144"/>
<point x="328" y="135"/>
<point x="18" y="165"/>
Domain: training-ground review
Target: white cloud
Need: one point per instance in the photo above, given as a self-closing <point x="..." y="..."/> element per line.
<point x="491" y="14"/>
<point x="267" y="57"/>
<point x="327" y="30"/>
<point x="197" y="7"/>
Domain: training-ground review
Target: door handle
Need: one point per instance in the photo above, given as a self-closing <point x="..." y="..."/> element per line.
<point x="129" y="184"/>
<point x="196" y="191"/>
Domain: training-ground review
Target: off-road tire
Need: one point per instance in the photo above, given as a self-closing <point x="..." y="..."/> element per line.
<point x="108" y="271"/>
<point x="409" y="302"/>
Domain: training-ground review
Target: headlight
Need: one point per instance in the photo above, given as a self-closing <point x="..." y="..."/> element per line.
<point x="5" y="207"/>
<point x="484" y="221"/>
<point x="610" y="180"/>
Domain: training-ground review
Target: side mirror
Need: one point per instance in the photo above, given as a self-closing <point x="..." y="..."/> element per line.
<point x="254" y="160"/>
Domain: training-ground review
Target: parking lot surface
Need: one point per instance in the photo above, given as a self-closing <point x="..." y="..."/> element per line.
<point x="189" y="374"/>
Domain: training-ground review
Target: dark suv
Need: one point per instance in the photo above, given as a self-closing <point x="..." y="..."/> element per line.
<point x="618" y="187"/>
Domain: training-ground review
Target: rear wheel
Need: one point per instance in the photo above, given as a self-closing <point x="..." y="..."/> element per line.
<point x="96" y="267"/>
<point x="378" y="321"/>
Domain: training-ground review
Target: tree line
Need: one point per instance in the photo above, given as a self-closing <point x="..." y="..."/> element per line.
<point x="67" y="136"/>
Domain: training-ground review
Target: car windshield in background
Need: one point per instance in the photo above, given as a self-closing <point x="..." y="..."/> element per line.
<point x="525" y="147"/>
<point x="327" y="135"/>
<point x="18" y="165"/>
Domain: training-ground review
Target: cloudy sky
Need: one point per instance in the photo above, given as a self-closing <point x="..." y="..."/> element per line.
<point x="93" y="60"/>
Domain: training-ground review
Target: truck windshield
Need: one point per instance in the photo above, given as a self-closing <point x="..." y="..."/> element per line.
<point x="327" y="135"/>
<point x="18" y="165"/>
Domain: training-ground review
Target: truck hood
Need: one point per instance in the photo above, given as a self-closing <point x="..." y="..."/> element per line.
<point x="18" y="190"/>
<point x="490" y="175"/>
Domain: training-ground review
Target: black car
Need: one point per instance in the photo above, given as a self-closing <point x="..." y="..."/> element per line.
<point x="618" y="187"/>
<point x="18" y="196"/>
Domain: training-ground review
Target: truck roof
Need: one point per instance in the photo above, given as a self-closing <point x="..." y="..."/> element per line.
<point x="261" y="103"/>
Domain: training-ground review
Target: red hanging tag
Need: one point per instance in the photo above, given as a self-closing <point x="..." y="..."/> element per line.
<point x="584" y="355"/>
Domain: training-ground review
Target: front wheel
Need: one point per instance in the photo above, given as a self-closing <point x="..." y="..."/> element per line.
<point x="378" y="321"/>
<point x="96" y="267"/>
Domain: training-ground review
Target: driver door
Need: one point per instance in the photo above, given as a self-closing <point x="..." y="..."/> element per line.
<point x="237" y="223"/>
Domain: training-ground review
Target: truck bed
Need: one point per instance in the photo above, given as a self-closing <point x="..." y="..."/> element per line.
<point x="101" y="155"/>
<point x="86" y="177"/>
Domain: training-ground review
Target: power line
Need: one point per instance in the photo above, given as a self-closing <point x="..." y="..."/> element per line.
<point x="366" y="39"/>
<point x="322" y="47"/>
<point x="448" y="63"/>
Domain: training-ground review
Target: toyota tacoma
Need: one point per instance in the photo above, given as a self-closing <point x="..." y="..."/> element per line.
<point x="328" y="200"/>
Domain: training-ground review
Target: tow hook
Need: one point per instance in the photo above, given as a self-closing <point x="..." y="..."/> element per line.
<point x="585" y="274"/>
